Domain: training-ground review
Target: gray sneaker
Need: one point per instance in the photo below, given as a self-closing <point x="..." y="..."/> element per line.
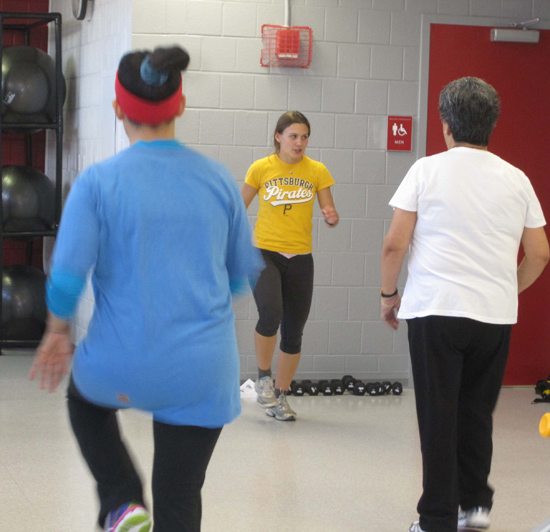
<point x="266" y="394"/>
<point x="282" y="412"/>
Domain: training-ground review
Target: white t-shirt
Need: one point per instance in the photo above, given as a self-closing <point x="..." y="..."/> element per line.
<point x="471" y="207"/>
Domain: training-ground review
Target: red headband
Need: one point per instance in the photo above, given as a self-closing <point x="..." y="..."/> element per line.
<point x="145" y="112"/>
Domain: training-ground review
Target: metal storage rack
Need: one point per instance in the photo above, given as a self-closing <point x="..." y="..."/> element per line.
<point x="26" y="23"/>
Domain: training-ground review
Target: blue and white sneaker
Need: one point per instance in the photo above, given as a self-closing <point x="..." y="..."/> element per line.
<point x="130" y="517"/>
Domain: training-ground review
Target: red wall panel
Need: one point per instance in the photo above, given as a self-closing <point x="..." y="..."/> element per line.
<point x="520" y="74"/>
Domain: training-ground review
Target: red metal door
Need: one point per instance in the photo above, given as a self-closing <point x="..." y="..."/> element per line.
<point x="521" y="76"/>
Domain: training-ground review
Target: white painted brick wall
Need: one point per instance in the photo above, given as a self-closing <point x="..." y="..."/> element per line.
<point x="353" y="61"/>
<point x="366" y="61"/>
<point x="309" y="16"/>
<point x="338" y="96"/>
<point x="344" y="338"/>
<point x="371" y="97"/>
<point x="91" y="50"/>
<point x="341" y="25"/>
<point x="239" y="19"/>
<point x="237" y="92"/>
<point x="271" y="92"/>
<point x="305" y="93"/>
<point x="341" y="159"/>
<point x="250" y="129"/>
<point x="369" y="167"/>
<point x="203" y="89"/>
<point x="374" y="26"/>
<point x="403" y="98"/>
<point x="386" y="62"/>
<point x="351" y="131"/>
<point x="202" y="18"/>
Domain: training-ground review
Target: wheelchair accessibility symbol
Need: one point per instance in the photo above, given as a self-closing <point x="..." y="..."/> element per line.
<point x="398" y="130"/>
<point x="400" y="133"/>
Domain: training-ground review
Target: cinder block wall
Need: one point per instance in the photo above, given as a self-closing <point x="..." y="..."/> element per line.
<point x="91" y="50"/>
<point x="366" y="58"/>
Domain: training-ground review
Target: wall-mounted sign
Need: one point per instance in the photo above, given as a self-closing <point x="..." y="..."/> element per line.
<point x="400" y="133"/>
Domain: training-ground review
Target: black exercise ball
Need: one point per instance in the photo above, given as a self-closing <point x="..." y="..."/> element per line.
<point x="28" y="199"/>
<point x="23" y="303"/>
<point x="28" y="86"/>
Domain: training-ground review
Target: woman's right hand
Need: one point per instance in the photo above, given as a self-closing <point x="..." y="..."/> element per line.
<point x="52" y="360"/>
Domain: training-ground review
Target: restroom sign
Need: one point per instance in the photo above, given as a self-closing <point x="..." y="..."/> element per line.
<point x="400" y="133"/>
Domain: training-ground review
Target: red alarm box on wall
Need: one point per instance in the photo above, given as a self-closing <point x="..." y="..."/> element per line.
<point x="286" y="46"/>
<point x="287" y="43"/>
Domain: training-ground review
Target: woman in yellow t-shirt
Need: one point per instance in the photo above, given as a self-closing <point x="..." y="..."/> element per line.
<point x="286" y="183"/>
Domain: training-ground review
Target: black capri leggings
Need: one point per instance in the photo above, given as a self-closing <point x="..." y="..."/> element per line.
<point x="283" y="296"/>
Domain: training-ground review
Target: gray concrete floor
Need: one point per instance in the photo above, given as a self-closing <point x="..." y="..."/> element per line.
<point x="349" y="463"/>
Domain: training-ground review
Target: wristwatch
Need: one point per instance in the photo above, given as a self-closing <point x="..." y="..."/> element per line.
<point x="389" y="295"/>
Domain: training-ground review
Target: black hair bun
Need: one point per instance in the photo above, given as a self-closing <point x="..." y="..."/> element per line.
<point x="153" y="76"/>
<point x="166" y="59"/>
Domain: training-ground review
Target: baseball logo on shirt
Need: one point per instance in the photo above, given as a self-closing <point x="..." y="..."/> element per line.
<point x="277" y="195"/>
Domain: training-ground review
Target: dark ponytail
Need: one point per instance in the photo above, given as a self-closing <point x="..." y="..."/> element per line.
<point x="153" y="76"/>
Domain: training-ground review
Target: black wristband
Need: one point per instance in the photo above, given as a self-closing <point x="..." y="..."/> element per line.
<point x="389" y="295"/>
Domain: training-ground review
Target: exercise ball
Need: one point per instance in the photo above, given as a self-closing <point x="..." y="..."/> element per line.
<point x="28" y="199"/>
<point x="23" y="303"/>
<point x="28" y="86"/>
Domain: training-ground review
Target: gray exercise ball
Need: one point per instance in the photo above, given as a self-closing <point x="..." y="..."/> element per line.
<point x="28" y="86"/>
<point x="23" y="303"/>
<point x="28" y="199"/>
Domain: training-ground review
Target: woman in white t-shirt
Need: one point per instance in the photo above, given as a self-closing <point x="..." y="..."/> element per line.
<point x="463" y="215"/>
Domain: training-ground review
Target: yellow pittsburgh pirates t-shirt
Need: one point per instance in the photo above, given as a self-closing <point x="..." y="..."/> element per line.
<point x="286" y="193"/>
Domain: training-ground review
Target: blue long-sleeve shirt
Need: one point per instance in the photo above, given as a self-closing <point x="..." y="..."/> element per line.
<point x="164" y="231"/>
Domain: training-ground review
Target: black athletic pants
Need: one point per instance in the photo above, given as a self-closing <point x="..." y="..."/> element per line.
<point x="458" y="366"/>
<point x="283" y="296"/>
<point x="182" y="454"/>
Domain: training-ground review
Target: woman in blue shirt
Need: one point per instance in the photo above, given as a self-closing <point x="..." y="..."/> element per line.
<point x="164" y="233"/>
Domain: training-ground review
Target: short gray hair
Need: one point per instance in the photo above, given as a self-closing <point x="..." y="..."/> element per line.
<point x="470" y="106"/>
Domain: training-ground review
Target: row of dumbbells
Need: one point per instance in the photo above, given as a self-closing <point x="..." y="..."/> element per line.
<point x="346" y="384"/>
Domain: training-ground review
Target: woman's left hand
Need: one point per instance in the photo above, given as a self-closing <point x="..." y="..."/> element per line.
<point x="388" y="310"/>
<point x="330" y="215"/>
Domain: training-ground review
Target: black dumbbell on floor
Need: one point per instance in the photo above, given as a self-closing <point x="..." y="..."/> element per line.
<point x="298" y="390"/>
<point x="311" y="388"/>
<point x="337" y="387"/>
<point x="375" y="388"/>
<point x="359" y="387"/>
<point x="325" y="387"/>
<point x="349" y="382"/>
<point x="397" y="388"/>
